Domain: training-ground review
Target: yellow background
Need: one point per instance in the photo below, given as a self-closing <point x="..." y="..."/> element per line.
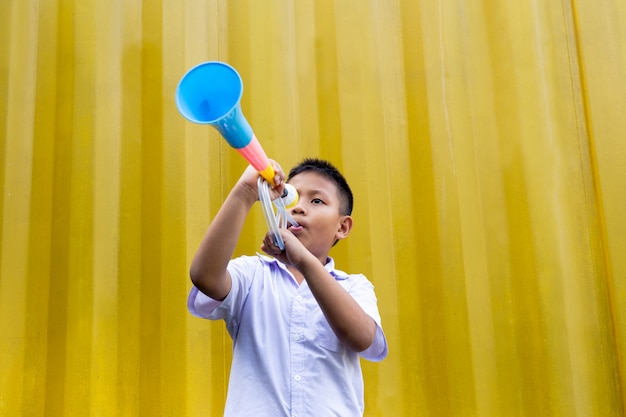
<point x="485" y="142"/>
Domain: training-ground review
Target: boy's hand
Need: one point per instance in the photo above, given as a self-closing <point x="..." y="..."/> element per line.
<point x="247" y="183"/>
<point x="295" y="252"/>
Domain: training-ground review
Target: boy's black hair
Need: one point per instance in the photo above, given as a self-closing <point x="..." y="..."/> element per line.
<point x="329" y="171"/>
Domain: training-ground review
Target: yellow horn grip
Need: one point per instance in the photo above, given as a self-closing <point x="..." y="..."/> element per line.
<point x="269" y="174"/>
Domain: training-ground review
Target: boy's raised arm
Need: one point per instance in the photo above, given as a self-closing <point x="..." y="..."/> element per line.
<point x="349" y="322"/>
<point x="208" y="268"/>
<point x="346" y="317"/>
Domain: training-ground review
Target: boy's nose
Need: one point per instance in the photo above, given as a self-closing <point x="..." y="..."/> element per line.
<point x="298" y="209"/>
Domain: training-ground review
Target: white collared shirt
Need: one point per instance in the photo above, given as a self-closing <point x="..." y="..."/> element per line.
<point x="286" y="359"/>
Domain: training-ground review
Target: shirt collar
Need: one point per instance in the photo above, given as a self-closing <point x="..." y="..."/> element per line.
<point x="330" y="265"/>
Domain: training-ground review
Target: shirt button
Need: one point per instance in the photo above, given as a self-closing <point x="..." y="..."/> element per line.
<point x="296" y="337"/>
<point x="299" y="298"/>
<point x="297" y="377"/>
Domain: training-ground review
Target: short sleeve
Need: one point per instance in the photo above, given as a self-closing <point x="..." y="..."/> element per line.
<point x="362" y="291"/>
<point x="229" y="310"/>
<point x="201" y="305"/>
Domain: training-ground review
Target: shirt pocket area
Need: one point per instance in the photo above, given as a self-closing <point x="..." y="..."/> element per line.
<point x="326" y="337"/>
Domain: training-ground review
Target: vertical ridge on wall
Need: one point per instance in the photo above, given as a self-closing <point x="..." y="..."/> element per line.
<point x="173" y="385"/>
<point x="418" y="233"/>
<point x="604" y="130"/>
<point x="325" y="58"/>
<point x="107" y="186"/>
<point x="58" y="332"/>
<point x="151" y="197"/>
<point x="16" y="175"/>
<point x="128" y="308"/>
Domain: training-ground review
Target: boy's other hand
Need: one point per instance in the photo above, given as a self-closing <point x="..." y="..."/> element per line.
<point x="295" y="252"/>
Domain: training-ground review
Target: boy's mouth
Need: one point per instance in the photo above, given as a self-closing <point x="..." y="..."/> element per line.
<point x="294" y="229"/>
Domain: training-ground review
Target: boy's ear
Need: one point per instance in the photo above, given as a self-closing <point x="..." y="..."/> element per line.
<point x="345" y="225"/>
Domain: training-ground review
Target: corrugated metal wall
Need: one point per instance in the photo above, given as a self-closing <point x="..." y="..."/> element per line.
<point x="485" y="142"/>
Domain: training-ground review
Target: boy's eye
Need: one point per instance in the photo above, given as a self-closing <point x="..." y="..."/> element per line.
<point x="317" y="201"/>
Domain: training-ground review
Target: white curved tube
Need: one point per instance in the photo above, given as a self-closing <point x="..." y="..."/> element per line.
<point x="281" y="219"/>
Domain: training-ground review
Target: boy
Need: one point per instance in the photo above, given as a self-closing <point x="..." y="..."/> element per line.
<point x="298" y="324"/>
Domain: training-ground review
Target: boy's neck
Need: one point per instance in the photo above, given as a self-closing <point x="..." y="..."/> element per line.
<point x="296" y="274"/>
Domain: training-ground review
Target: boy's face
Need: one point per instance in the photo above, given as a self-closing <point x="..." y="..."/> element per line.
<point x="317" y="212"/>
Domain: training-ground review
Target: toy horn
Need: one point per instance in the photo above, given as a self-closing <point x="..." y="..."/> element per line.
<point x="210" y="93"/>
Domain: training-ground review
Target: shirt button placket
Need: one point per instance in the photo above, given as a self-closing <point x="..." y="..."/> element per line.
<point x="298" y="357"/>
